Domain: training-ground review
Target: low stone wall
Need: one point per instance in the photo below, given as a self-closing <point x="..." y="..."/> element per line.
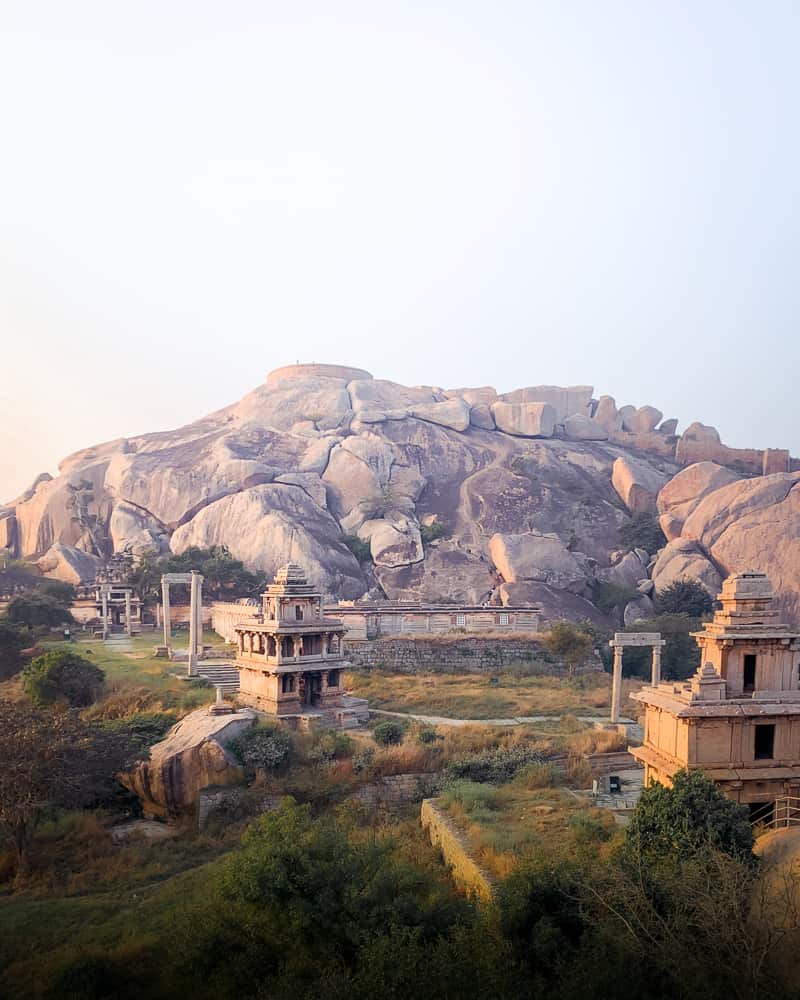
<point x="447" y="654"/>
<point x="396" y="789"/>
<point x="466" y="874"/>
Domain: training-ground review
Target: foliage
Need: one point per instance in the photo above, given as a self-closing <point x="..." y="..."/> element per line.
<point x="141" y="731"/>
<point x="611" y="597"/>
<point x="62" y="676"/>
<point x="690" y="817"/>
<point x="680" y="656"/>
<point x="223" y="576"/>
<point x="427" y="735"/>
<point x="34" y="608"/>
<point x="472" y="796"/>
<point x="495" y="766"/>
<point x="642" y="531"/>
<point x="360" y="549"/>
<point x="431" y="532"/>
<point x="13" y="639"/>
<point x="362" y="760"/>
<point x="262" y="748"/>
<point x="51" y="759"/>
<point x="685" y="597"/>
<point x="63" y="592"/>
<point x="569" y="643"/>
<point x="331" y="745"/>
<point x="79" y="502"/>
<point x="389" y="732"/>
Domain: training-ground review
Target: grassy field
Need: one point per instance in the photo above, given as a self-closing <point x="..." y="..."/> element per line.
<point x="478" y="696"/>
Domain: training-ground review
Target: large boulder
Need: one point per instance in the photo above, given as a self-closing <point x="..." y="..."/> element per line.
<point x="8" y="530"/>
<point x="555" y="605"/>
<point x="269" y="525"/>
<point x="64" y="562"/>
<point x="754" y="524"/>
<point x="134" y="530"/>
<point x="542" y="558"/>
<point x="393" y="541"/>
<point x="683" y="493"/>
<point x="579" y="427"/>
<point x="626" y="571"/>
<point x="607" y="415"/>
<point x="452" y="413"/>
<point x="565" y="400"/>
<point x="193" y="755"/>
<point x="322" y="402"/>
<point x="685" y="559"/>
<point x="637" y="484"/>
<point x="637" y="610"/>
<point x="525" y="419"/>
<point x="645" y="420"/>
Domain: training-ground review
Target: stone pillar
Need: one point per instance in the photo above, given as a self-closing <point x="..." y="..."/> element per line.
<point x="104" y="603"/>
<point x="128" y="622"/>
<point x="193" y="623"/>
<point x="167" y="622"/>
<point x="324" y="645"/>
<point x="158" y="615"/>
<point x="199" y="616"/>
<point x="656" y="678"/>
<point x="616" y="684"/>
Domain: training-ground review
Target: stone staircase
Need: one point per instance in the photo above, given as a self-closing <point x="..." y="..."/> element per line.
<point x="222" y="675"/>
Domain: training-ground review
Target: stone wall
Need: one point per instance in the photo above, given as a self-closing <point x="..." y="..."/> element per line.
<point x="466" y="874"/>
<point x="396" y="789"/>
<point x="448" y="654"/>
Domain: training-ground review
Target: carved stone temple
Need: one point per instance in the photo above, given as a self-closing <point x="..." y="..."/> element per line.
<point x="738" y="718"/>
<point x="291" y="662"/>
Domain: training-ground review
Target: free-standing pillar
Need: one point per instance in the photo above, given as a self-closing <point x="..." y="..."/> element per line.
<point x="195" y="587"/>
<point x="656" y="678"/>
<point x="128" y="622"/>
<point x="167" y="622"/>
<point x="104" y="602"/>
<point x="616" y="684"/>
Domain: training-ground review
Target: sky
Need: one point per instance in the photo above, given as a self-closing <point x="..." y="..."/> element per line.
<point x="443" y="192"/>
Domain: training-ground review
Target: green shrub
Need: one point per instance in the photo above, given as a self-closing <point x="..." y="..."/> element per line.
<point x="642" y="532"/>
<point x="389" y="732"/>
<point x="262" y="748"/>
<point x="62" y="676"/>
<point x="431" y="532"/>
<point x="13" y="639"/>
<point x="331" y="745"/>
<point x="685" y="597"/>
<point x="142" y="730"/>
<point x="360" y="550"/>
<point x="472" y="796"/>
<point x="494" y="766"/>
<point x="611" y="596"/>
<point x="34" y="609"/>
<point x="427" y="735"/>
<point x="362" y="760"/>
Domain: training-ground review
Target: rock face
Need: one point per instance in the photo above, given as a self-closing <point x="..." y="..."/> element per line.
<point x="191" y="757"/>
<point x="525" y="488"/>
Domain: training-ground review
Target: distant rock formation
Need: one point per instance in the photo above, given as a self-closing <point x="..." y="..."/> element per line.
<point x="528" y="491"/>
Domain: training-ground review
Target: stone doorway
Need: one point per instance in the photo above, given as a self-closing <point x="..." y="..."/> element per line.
<point x="311" y="688"/>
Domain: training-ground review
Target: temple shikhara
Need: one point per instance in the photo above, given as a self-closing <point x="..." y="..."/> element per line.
<point x="738" y="718"/>
<point x="291" y="662"/>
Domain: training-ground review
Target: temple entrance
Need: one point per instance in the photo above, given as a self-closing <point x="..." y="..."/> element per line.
<point x="311" y="688"/>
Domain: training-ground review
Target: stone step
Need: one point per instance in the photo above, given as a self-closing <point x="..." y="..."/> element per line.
<point x="220" y="675"/>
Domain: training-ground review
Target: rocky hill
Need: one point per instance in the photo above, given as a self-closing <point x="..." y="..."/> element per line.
<point x="460" y="494"/>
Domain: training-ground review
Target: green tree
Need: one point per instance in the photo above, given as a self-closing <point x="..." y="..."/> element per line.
<point x="61" y="591"/>
<point x="692" y="816"/>
<point x="35" y="609"/>
<point x="685" y="597"/>
<point x="13" y="639"/>
<point x="569" y="643"/>
<point x="262" y="748"/>
<point x="680" y="657"/>
<point x="612" y="597"/>
<point x="642" y="531"/>
<point x="61" y="675"/>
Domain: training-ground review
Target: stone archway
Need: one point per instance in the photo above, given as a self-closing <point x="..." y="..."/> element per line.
<point x="618" y="644"/>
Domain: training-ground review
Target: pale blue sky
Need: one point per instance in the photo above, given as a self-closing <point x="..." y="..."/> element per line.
<point x="452" y="193"/>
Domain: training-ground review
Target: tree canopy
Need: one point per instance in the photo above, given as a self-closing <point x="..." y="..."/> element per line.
<point x="13" y="639"/>
<point x="61" y="675"/>
<point x="685" y="597"/>
<point x="36" y="608"/>
<point x="223" y="576"/>
<point x="569" y="643"/>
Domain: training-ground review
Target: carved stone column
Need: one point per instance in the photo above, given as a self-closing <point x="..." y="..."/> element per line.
<point x="616" y="684"/>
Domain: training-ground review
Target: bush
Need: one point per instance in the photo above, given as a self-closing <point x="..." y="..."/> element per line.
<point x="611" y="596"/>
<point x="141" y="731"/>
<point x="62" y="676"/>
<point x="330" y="746"/>
<point x="472" y="796"/>
<point x="360" y="550"/>
<point x="389" y="732"/>
<point x="680" y="657"/>
<point x="569" y="643"/>
<point x="642" y="532"/>
<point x="64" y="593"/>
<point x="34" y="609"/>
<point x="362" y="760"/>
<point x="427" y="735"/>
<point x="262" y="748"/>
<point x="495" y="766"/>
<point x="685" y="597"/>
<point x="431" y="532"/>
<point x="13" y="640"/>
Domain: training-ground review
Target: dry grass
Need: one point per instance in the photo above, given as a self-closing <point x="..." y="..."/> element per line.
<point x="482" y="696"/>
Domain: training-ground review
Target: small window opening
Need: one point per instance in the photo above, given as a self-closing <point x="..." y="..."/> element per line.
<point x="461" y="619"/>
<point x="504" y="619"/>
<point x="298" y="612"/>
<point x="764" y="742"/>
<point x="749" y="672"/>
<point x="333" y="679"/>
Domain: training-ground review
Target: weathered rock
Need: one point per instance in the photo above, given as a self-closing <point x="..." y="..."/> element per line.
<point x="268" y="525"/>
<point x="683" y="493"/>
<point x="637" y="610"/>
<point x="64" y="562"/>
<point x="393" y="540"/>
<point x="485" y="395"/>
<point x="685" y="559"/>
<point x="192" y="756"/>
<point x="637" y="484"/>
<point x="323" y="403"/>
<point x="668" y="427"/>
<point x="627" y="414"/>
<point x="701" y="432"/>
<point x="382" y="395"/>
<point x="626" y="571"/>
<point x="754" y="524"/>
<point x="556" y="605"/>
<point x="579" y="427"/>
<point x="136" y="531"/>
<point x="8" y="531"/>
<point x="564" y="400"/>
<point x="310" y="483"/>
<point x="525" y="419"/>
<point x="453" y="413"/>
<point x="481" y="416"/>
<point x="645" y="420"/>
<point x="606" y="415"/>
<point x="543" y="558"/>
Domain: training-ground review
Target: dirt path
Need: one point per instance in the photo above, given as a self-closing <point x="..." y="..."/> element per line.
<point x="517" y="720"/>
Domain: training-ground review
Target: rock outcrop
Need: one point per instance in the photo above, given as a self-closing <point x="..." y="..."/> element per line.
<point x="525" y="488"/>
<point x="192" y="756"/>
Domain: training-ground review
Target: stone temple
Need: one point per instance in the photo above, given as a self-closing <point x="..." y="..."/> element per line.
<point x="738" y="718"/>
<point x="291" y="658"/>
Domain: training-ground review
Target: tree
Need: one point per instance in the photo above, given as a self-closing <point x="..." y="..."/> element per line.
<point x="389" y="732"/>
<point x="61" y="675"/>
<point x="35" y="609"/>
<point x="611" y="597"/>
<point x="262" y="748"/>
<point x="691" y="817"/>
<point x="642" y="532"/>
<point x="685" y="597"/>
<point x="50" y="759"/>
<point x="568" y="643"/>
<point x="63" y="592"/>
<point x="13" y="639"/>
<point x="679" y="658"/>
